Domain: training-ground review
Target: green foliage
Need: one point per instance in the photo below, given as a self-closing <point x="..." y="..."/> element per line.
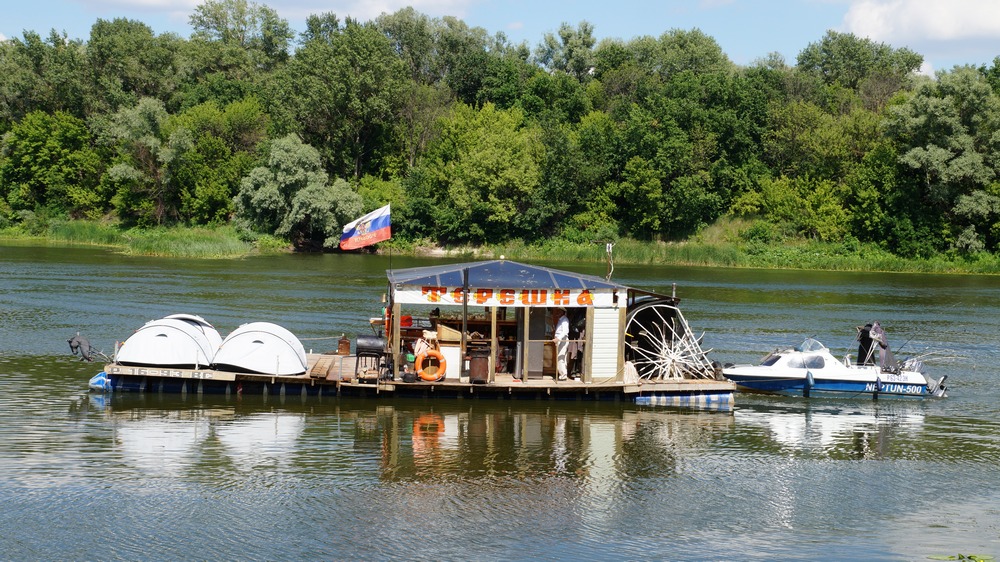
<point x="480" y="173"/>
<point x="128" y="63"/>
<point x="814" y="208"/>
<point x="571" y="52"/>
<point x="345" y="92"/>
<point x="291" y="198"/>
<point x="49" y="161"/>
<point x="850" y="61"/>
<point x="249" y="26"/>
<point x="476" y="141"/>
<point x="944" y="135"/>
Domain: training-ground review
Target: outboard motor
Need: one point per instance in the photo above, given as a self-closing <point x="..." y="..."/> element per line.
<point x="79" y="345"/>
<point x="938" y="389"/>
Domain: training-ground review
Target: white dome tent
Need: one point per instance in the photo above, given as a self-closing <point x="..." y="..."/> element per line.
<point x="197" y="321"/>
<point x="180" y="341"/>
<point x="262" y="347"/>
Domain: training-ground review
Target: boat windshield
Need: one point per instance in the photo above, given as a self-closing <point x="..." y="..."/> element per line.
<point x="810" y="345"/>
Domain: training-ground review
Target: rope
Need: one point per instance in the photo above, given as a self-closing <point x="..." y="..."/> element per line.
<point x="316" y="339"/>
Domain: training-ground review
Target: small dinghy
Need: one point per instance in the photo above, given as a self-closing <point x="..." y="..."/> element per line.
<point x="809" y="369"/>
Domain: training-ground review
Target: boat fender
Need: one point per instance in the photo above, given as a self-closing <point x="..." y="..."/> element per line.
<point x="809" y="384"/>
<point x="439" y="373"/>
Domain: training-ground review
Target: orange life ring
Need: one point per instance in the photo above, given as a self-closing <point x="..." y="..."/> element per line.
<point x="439" y="373"/>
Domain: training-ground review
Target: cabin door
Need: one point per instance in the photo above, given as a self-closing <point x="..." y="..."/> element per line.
<point x="541" y="360"/>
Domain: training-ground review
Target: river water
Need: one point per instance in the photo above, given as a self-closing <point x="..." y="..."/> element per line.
<point x="128" y="477"/>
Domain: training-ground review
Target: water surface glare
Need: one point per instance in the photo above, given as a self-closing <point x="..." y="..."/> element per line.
<point x="129" y="477"/>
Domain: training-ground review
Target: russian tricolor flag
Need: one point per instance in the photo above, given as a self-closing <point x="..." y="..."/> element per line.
<point x="369" y="229"/>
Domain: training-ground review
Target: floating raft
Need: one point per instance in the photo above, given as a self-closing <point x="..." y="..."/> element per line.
<point x="342" y="375"/>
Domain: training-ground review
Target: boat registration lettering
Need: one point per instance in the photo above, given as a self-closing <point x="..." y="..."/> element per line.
<point x="896" y="388"/>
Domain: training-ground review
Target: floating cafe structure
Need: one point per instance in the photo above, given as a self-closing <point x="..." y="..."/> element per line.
<point x="480" y="330"/>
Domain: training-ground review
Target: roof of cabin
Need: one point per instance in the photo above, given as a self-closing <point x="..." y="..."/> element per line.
<point x="499" y="273"/>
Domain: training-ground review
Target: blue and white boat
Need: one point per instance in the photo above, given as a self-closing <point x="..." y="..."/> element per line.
<point x="809" y="369"/>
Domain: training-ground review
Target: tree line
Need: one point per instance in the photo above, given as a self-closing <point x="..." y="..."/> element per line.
<point x="476" y="140"/>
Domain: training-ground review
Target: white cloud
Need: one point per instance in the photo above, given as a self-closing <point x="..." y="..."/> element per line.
<point x="945" y="32"/>
<point x="904" y="21"/>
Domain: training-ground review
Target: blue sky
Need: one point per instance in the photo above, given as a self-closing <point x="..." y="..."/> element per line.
<point x="945" y="32"/>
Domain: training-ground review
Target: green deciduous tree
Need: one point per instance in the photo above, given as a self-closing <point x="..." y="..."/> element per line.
<point x="346" y="91"/>
<point x="221" y="152"/>
<point x="48" y="161"/>
<point x="479" y="174"/>
<point x="140" y="175"/>
<point x="252" y="27"/>
<point x="945" y="135"/>
<point x="850" y="61"/>
<point x="572" y="52"/>
<point x="41" y="75"/>
<point x="128" y="62"/>
<point x="291" y="197"/>
<point x="815" y="208"/>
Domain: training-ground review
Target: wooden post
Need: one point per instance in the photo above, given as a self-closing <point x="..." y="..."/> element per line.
<point x="494" y="347"/>
<point x="394" y="348"/>
<point x="465" y="323"/>
<point x="526" y="341"/>
<point x="587" y="373"/>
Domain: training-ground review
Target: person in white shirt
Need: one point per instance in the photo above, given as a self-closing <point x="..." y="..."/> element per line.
<point x="561" y="338"/>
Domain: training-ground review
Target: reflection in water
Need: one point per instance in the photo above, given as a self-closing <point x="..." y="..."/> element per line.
<point x="847" y="430"/>
<point x="172" y="442"/>
<point x="413" y="440"/>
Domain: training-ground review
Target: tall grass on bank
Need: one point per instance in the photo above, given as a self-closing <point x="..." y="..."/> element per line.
<point x="220" y="242"/>
<point x="718" y="246"/>
<point x="188" y="242"/>
<point x="797" y="254"/>
<point x="86" y="232"/>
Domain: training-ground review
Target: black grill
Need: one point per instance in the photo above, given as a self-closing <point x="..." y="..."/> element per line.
<point x="369" y="346"/>
<point x="369" y="351"/>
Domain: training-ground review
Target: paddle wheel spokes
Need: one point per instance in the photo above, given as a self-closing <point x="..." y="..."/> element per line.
<point x="661" y="346"/>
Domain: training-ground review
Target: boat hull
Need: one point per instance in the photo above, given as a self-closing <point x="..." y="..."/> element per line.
<point x="818" y="387"/>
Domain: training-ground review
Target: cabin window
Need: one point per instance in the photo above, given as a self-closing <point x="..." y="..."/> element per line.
<point x="770" y="360"/>
<point x="796" y="363"/>
<point x="815" y="362"/>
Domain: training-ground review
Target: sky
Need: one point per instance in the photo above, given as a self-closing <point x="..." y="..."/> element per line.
<point x="946" y="32"/>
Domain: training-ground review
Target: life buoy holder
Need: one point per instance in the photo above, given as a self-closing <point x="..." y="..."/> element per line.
<point x="423" y="374"/>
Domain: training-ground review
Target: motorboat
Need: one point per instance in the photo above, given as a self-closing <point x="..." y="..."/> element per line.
<point x="810" y="369"/>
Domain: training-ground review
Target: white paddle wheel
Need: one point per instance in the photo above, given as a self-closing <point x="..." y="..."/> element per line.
<point x="660" y="345"/>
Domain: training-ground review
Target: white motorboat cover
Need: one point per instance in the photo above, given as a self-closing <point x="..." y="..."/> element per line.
<point x="262" y="347"/>
<point x="171" y="342"/>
